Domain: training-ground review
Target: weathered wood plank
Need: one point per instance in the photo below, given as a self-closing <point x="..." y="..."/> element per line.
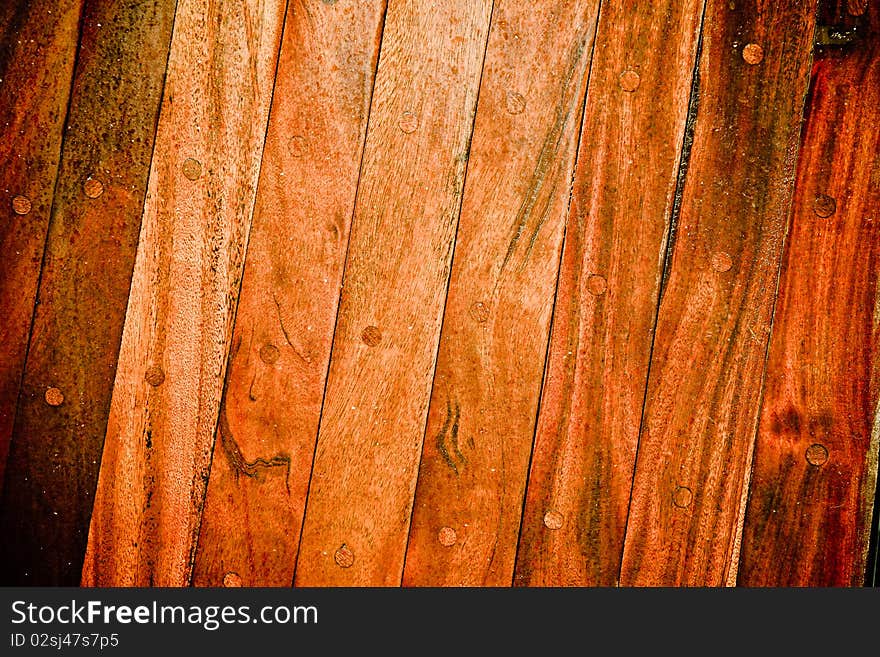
<point x="711" y="337"/>
<point x="481" y="419"/>
<point x="809" y="513"/>
<point x="37" y="47"/>
<point x="287" y="309"/>
<point x="62" y="409"/>
<point x="384" y="347"/>
<point x="588" y="427"/>
<point x="186" y="279"/>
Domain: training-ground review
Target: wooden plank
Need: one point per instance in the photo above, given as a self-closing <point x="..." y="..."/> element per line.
<point x="62" y="409"/>
<point x="809" y="513"/>
<point x="581" y="475"/>
<point x="711" y="336"/>
<point x="37" y="47"/>
<point x="481" y="419"/>
<point x="287" y="309"/>
<point x="185" y="284"/>
<point x="384" y="347"/>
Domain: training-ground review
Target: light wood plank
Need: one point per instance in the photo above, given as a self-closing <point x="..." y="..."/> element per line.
<point x="384" y="348"/>
<point x="186" y="279"/>
<point x="706" y="370"/>
<point x="284" y="326"/>
<point x="495" y="327"/>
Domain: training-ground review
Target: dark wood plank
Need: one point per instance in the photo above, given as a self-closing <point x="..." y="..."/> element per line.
<point x="37" y="46"/>
<point x="187" y="275"/>
<point x="809" y="513"/>
<point x="481" y="419"/>
<point x="705" y="381"/>
<point x="385" y="343"/>
<point x="287" y="310"/>
<point x="65" y="394"/>
<point x="588" y="426"/>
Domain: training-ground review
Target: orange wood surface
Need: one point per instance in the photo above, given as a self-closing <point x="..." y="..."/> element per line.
<point x="481" y="420"/>
<point x="186" y="280"/>
<point x="62" y="409"/>
<point x="37" y="49"/>
<point x="712" y="330"/>
<point x="581" y="475"/>
<point x="439" y="293"/>
<point x="385" y="344"/>
<point x="287" y="310"/>
<point x="815" y="471"/>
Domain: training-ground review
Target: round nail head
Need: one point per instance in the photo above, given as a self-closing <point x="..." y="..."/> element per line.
<point x="155" y="376"/>
<point x="409" y="122"/>
<point x="597" y="285"/>
<point x="447" y="536"/>
<point x="721" y="262"/>
<point x="629" y="80"/>
<point x="553" y="519"/>
<point x="515" y="103"/>
<point x="344" y="557"/>
<point x="54" y="397"/>
<point x="21" y="204"/>
<point x="269" y="354"/>
<point x="753" y="53"/>
<point x="297" y="146"/>
<point x="192" y="169"/>
<point x="479" y="312"/>
<point x="817" y="454"/>
<point x="682" y="497"/>
<point x="232" y="580"/>
<point x="824" y="206"/>
<point x="371" y="336"/>
<point x="93" y="187"/>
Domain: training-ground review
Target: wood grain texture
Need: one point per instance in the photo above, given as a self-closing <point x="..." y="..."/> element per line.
<point x="812" y="488"/>
<point x="290" y="292"/>
<point x="484" y="401"/>
<point x="588" y="428"/>
<point x="55" y="451"/>
<point x="37" y="47"/>
<point x="186" y="279"/>
<point x="706" y="370"/>
<point x="385" y="344"/>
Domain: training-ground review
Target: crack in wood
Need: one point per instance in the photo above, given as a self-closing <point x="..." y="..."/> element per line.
<point x="240" y="465"/>
<point x="451" y="424"/>
<point x="296" y="349"/>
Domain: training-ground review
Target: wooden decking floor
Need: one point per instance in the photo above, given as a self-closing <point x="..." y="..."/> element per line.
<point x="447" y="293"/>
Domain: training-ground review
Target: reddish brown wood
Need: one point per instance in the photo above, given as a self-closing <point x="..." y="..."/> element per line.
<point x="812" y="492"/>
<point x="384" y="347"/>
<point x="488" y="377"/>
<point x="185" y="285"/>
<point x="56" y="442"/>
<point x="284" y="325"/>
<point x="37" y="47"/>
<point x="705" y="381"/>
<point x="672" y="414"/>
<point x="588" y="426"/>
